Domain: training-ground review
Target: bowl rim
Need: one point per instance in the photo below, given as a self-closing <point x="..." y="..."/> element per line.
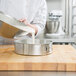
<point x="37" y="41"/>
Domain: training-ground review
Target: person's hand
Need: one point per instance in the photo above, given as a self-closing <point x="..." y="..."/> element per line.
<point x="30" y="25"/>
<point x="24" y="21"/>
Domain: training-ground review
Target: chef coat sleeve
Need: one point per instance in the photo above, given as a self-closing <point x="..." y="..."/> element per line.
<point x="40" y="17"/>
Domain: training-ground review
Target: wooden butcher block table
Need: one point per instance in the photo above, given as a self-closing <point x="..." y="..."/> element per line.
<point x="63" y="58"/>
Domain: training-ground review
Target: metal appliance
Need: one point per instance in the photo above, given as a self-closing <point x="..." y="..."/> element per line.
<point x="52" y="26"/>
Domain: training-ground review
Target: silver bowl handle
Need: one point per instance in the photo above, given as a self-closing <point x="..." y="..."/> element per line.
<point x="50" y="47"/>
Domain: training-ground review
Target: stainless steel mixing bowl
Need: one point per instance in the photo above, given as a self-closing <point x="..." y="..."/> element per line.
<point x="11" y="20"/>
<point x="9" y="26"/>
<point x="41" y="47"/>
<point x="52" y="26"/>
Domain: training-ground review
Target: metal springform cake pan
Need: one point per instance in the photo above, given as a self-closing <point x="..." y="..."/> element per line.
<point x="26" y="47"/>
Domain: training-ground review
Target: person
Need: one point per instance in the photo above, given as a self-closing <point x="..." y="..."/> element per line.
<point x="31" y="12"/>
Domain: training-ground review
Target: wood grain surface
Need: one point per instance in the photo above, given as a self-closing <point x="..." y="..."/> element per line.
<point x="8" y="31"/>
<point x="63" y="58"/>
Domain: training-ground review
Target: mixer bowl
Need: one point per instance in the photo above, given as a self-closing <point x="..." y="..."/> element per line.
<point x="26" y="47"/>
<point x="52" y="26"/>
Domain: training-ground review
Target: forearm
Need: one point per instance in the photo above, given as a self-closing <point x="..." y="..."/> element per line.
<point x="30" y="25"/>
<point x="34" y="27"/>
<point x="40" y="17"/>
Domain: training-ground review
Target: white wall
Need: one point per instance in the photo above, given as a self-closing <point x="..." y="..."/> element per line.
<point x="54" y="5"/>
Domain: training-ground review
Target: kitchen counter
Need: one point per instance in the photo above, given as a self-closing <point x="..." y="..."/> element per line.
<point x="63" y="58"/>
<point x="58" y="39"/>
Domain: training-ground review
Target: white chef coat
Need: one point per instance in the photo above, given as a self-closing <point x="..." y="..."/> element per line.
<point x="35" y="11"/>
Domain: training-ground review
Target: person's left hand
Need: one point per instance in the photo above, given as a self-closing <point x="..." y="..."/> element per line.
<point x="24" y="21"/>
